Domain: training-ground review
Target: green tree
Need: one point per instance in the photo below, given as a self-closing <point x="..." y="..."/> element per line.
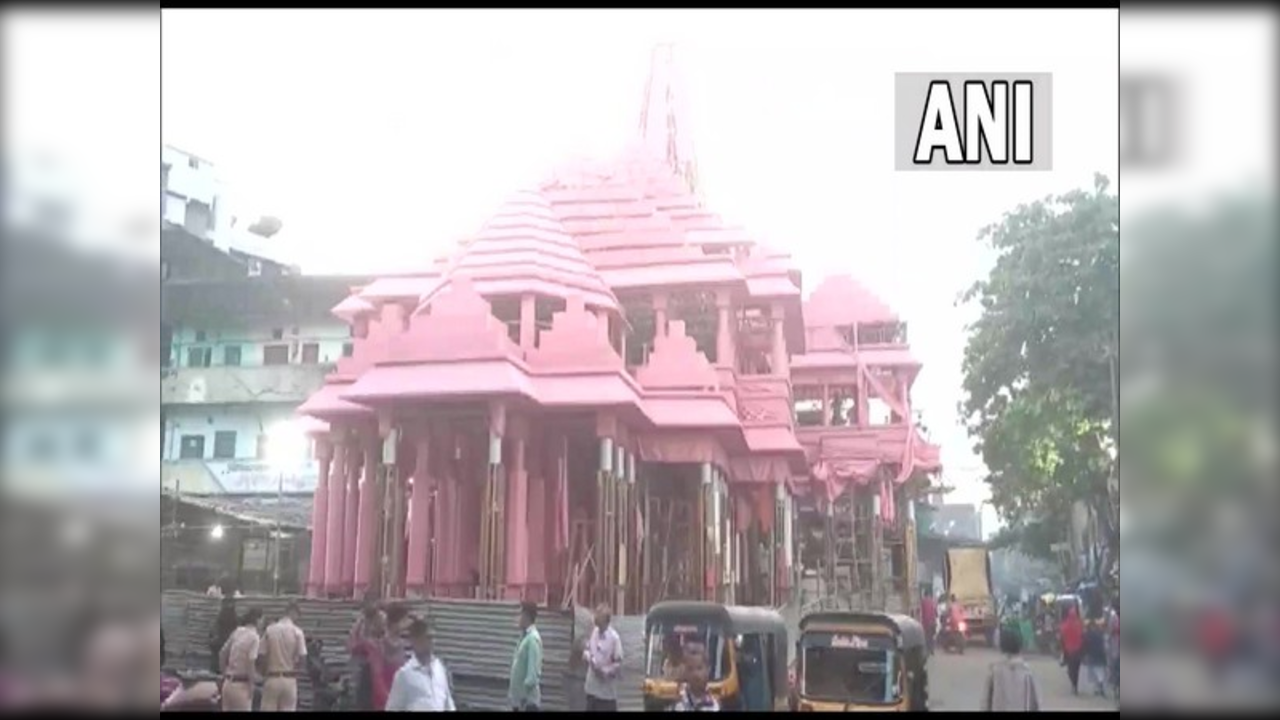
<point x="1040" y="362"/>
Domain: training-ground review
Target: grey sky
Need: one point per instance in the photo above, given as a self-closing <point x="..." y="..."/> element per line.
<point x="380" y="137"/>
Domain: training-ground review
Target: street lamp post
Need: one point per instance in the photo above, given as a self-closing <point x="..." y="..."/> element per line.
<point x="275" y="550"/>
<point x="284" y="447"/>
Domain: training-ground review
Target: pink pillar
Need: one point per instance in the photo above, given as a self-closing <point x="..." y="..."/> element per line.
<point x="528" y="322"/>
<point x="369" y="520"/>
<point x="781" y="361"/>
<point x="420" y="519"/>
<point x="351" y="520"/>
<point x="602" y="325"/>
<point x="563" y="530"/>
<point x="659" y="315"/>
<point x="319" y="520"/>
<point x="517" y="518"/>
<point x="538" y="525"/>
<point x="447" y="518"/>
<point x="864" y="406"/>
<point x="724" y="336"/>
<point x="335" y="518"/>
<point x="466" y="530"/>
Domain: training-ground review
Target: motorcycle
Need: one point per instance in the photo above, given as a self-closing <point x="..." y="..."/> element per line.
<point x="953" y="640"/>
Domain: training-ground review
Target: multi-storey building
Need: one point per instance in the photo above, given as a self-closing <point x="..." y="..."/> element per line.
<point x="243" y="341"/>
<point x="240" y="353"/>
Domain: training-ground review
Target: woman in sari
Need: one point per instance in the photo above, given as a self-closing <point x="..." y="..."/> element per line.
<point x="382" y="655"/>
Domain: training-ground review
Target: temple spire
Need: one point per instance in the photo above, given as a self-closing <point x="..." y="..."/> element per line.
<point x="664" y="129"/>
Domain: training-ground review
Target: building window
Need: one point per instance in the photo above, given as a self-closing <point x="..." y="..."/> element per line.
<point x="193" y="163"/>
<point x="640" y="331"/>
<point x="164" y="269"/>
<point x="277" y="333"/>
<point x="348" y="349"/>
<point x="191" y="447"/>
<point x="201" y="336"/>
<point x="275" y="355"/>
<point x="164" y="178"/>
<point x="224" y="444"/>
<point x="310" y="353"/>
<point x="199" y="357"/>
<point x="199" y="219"/>
<point x="808" y="406"/>
<point x="231" y="355"/>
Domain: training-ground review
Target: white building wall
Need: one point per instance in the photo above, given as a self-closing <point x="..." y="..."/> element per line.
<point x="248" y="422"/>
<point x="332" y="339"/>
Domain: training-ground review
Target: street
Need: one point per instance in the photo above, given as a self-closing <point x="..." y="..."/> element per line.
<point x="956" y="682"/>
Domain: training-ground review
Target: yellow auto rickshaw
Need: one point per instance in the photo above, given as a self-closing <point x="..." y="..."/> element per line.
<point x="745" y="650"/>
<point x="861" y="661"/>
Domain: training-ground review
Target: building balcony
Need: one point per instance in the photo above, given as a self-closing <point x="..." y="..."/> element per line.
<point x="224" y="385"/>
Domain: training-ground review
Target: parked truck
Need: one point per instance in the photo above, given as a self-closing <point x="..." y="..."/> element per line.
<point x="967" y="574"/>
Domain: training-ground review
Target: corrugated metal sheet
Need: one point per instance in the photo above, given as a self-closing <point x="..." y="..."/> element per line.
<point x="475" y="640"/>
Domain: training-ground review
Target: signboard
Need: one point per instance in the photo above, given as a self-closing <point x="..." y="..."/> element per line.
<point x="849" y="641"/>
<point x="252" y="477"/>
<point x="254" y="557"/>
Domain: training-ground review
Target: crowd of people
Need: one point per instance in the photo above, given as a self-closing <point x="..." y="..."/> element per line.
<point x="392" y="666"/>
<point x="1091" y="644"/>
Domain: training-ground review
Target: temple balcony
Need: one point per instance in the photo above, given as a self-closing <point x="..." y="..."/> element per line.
<point x="236" y="384"/>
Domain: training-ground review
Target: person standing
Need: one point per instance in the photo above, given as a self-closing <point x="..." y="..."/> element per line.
<point x="1113" y="647"/>
<point x="285" y="650"/>
<point x="929" y="619"/>
<point x="1071" y="637"/>
<point x="1095" y="655"/>
<point x="525" y="689"/>
<point x="422" y="683"/>
<point x="238" y="657"/>
<point x="1011" y="686"/>
<point x="604" y="663"/>
<point x="381" y="658"/>
<point x="955" y="618"/>
<point x="357" y="644"/>
<point x="223" y="625"/>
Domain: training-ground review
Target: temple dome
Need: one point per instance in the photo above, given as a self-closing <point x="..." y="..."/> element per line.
<point x="524" y="248"/>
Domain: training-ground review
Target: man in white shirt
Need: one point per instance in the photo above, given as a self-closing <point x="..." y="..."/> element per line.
<point x="603" y="656"/>
<point x="422" y="683"/>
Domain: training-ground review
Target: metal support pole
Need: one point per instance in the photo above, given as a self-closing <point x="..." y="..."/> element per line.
<point x="275" y="560"/>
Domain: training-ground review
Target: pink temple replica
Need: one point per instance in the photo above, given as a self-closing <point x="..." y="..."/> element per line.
<point x="606" y="394"/>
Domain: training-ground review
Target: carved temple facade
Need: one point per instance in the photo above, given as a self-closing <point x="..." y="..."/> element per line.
<point x="601" y="397"/>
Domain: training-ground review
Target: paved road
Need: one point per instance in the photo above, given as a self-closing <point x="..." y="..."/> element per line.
<point x="956" y="682"/>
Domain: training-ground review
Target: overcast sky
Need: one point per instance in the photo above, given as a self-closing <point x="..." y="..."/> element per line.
<point x="380" y="137"/>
